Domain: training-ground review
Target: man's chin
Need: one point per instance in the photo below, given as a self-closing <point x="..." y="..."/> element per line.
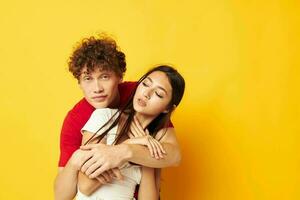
<point x="99" y="104"/>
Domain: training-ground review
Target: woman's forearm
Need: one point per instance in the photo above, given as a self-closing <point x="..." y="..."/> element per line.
<point x="148" y="188"/>
<point x="140" y="154"/>
<point x="86" y="185"/>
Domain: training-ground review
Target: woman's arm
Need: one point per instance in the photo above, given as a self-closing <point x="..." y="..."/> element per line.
<point x="114" y="155"/>
<point x="148" y="187"/>
<point x="140" y="155"/>
<point x="86" y="185"/>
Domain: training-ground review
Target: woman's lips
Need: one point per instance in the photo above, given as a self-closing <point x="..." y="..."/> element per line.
<point x="141" y="102"/>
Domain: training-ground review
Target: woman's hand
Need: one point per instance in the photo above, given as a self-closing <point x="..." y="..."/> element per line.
<point x="136" y="129"/>
<point x="138" y="135"/>
<point x="110" y="175"/>
<point x="154" y="146"/>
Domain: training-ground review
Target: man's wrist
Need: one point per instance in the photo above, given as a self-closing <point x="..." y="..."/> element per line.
<point x="126" y="152"/>
<point x="73" y="166"/>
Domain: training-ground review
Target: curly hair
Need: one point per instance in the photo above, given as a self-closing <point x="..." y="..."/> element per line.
<point x="97" y="52"/>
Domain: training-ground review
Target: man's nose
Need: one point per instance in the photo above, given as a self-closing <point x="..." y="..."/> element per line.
<point x="98" y="88"/>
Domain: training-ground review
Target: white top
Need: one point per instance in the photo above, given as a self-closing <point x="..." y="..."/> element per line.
<point x="118" y="189"/>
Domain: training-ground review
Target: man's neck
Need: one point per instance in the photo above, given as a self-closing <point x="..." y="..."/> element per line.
<point x="116" y="102"/>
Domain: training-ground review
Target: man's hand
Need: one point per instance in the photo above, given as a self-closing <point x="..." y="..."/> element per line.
<point x="79" y="157"/>
<point x="104" y="157"/>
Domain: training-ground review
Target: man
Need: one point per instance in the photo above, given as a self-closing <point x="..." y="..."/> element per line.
<point x="99" y="66"/>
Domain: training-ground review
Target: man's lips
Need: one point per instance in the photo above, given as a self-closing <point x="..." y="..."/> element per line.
<point x="99" y="98"/>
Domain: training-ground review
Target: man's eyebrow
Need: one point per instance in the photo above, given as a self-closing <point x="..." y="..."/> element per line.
<point x="85" y="73"/>
<point x="158" y="86"/>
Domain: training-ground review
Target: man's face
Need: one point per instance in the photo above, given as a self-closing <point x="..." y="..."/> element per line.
<point x="100" y="87"/>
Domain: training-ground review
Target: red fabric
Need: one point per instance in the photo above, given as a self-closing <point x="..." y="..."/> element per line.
<point x="70" y="137"/>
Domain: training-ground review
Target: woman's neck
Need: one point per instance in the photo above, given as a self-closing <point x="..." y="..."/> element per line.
<point x="144" y="119"/>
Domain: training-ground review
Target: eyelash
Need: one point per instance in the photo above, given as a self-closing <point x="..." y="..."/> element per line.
<point x="87" y="78"/>
<point x="105" y="77"/>
<point x="160" y="96"/>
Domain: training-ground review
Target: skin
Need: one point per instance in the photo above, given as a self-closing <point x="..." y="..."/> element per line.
<point x="101" y="91"/>
<point x="151" y="98"/>
<point x="100" y="88"/>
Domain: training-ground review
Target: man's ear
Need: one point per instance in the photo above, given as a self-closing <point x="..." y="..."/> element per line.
<point x="79" y="84"/>
<point x="121" y="80"/>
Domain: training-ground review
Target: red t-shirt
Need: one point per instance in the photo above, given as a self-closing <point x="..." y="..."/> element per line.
<point x="70" y="137"/>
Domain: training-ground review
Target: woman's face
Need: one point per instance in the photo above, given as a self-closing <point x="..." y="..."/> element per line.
<point x="153" y="94"/>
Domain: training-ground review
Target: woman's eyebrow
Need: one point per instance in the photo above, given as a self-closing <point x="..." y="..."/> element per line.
<point x="163" y="89"/>
<point x="149" y="79"/>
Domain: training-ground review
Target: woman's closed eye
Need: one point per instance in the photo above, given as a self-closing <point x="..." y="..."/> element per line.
<point x="145" y="84"/>
<point x="159" y="95"/>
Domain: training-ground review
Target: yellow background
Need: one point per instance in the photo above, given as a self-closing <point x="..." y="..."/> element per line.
<point x="238" y="124"/>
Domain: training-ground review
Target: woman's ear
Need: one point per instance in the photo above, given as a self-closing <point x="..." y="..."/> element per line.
<point x="170" y="109"/>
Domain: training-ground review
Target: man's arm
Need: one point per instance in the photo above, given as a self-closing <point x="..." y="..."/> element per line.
<point x="140" y="154"/>
<point x="61" y="193"/>
<point x="70" y="161"/>
<point x="87" y="185"/>
<point x="65" y="186"/>
<point x="113" y="156"/>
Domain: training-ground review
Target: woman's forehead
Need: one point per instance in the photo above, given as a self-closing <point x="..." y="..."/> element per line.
<point x="160" y="78"/>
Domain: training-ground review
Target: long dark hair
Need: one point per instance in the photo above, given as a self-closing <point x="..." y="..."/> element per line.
<point x="161" y="121"/>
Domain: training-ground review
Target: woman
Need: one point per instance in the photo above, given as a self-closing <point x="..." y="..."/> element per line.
<point x="141" y="121"/>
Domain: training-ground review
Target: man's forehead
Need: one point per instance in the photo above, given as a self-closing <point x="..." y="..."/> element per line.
<point x="86" y="71"/>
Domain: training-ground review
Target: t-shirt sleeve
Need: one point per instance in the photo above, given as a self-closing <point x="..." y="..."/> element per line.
<point x="70" y="139"/>
<point x="97" y="120"/>
<point x="170" y="124"/>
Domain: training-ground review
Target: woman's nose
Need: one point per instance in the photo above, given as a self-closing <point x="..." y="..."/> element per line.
<point x="147" y="94"/>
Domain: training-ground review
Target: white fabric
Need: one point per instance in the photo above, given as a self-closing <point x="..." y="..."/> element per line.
<point x="117" y="190"/>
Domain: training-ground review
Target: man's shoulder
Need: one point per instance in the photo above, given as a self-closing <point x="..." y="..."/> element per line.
<point x="81" y="108"/>
<point x="77" y="117"/>
<point x="125" y="90"/>
<point x="81" y="105"/>
<point x="128" y="84"/>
